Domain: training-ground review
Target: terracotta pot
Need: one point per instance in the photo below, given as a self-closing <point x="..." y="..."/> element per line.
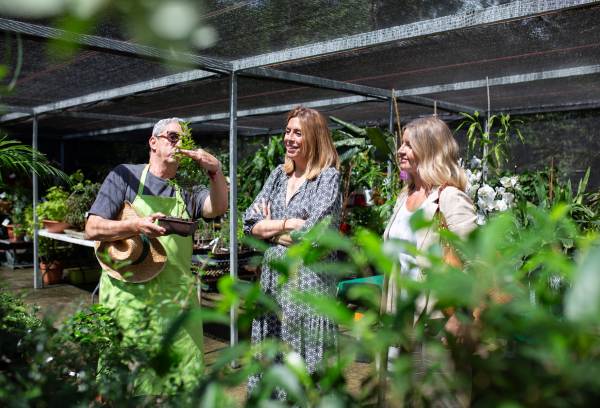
<point x="54" y="274"/>
<point x="9" y="230"/>
<point x="345" y="228"/>
<point x="56" y="227"/>
<point x="5" y="206"/>
<point x="377" y="199"/>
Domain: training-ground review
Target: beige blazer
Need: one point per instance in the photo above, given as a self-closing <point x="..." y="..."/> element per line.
<point x="461" y="219"/>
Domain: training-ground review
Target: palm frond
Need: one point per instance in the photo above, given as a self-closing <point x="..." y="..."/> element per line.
<point x="18" y="158"/>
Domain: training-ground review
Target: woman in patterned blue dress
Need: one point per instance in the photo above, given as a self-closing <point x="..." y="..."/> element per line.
<point x="295" y="197"/>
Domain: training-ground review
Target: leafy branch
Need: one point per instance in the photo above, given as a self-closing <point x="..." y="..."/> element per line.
<point x="497" y="143"/>
<point x="16" y="157"/>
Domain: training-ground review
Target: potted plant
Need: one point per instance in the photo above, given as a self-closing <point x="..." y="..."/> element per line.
<point x="5" y="204"/>
<point x="78" y="205"/>
<point x="203" y="237"/>
<point x="54" y="210"/>
<point x="221" y="248"/>
<point x="187" y="179"/>
<point x="18" y="227"/>
<point x="52" y="259"/>
<point x="51" y="252"/>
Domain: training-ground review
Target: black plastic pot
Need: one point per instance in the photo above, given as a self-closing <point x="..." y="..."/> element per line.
<point x="178" y="226"/>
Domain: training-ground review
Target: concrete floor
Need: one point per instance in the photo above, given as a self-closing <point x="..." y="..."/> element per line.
<point x="64" y="298"/>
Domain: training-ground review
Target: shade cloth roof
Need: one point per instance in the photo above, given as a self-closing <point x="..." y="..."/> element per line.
<point x="539" y="56"/>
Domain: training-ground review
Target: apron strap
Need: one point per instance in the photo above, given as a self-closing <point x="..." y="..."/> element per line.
<point x="143" y="183"/>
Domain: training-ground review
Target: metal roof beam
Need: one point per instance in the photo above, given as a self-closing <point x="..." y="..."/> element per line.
<point x="406" y="95"/>
<point x="352" y="88"/>
<point x="121" y="129"/>
<point x="473" y="19"/>
<point x="102" y="116"/>
<point x="8" y="108"/>
<point x="91" y="42"/>
<point x="317" y="82"/>
<point x="196" y="120"/>
<point x="507" y="80"/>
<point x="450" y="107"/>
<point x="128" y="90"/>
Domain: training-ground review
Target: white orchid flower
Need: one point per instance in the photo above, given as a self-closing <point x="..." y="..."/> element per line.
<point x="508" y="198"/>
<point x="500" y="205"/>
<point x="473" y="177"/>
<point x="475" y="163"/>
<point x="485" y="204"/>
<point x="505" y="181"/>
<point x="486" y="192"/>
<point x="481" y="218"/>
<point x="518" y="187"/>
<point x="472" y="190"/>
<point x="500" y="191"/>
<point x="513" y="181"/>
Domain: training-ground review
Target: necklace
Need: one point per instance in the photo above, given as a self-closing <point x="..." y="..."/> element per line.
<point x="417" y="192"/>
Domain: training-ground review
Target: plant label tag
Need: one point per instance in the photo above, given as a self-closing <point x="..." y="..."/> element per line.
<point x="3" y="195"/>
<point x="12" y="176"/>
<point x="5" y="222"/>
<point x="43" y="199"/>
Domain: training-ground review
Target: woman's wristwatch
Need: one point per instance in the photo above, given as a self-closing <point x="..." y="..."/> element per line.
<point x="213" y="174"/>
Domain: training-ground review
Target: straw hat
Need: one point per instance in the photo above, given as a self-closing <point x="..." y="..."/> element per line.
<point x="148" y="257"/>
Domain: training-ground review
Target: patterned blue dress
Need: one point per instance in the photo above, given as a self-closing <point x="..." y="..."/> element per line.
<point x="309" y="334"/>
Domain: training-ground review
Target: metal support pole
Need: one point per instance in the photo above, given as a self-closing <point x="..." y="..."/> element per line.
<point x="36" y="246"/>
<point x="391" y="129"/>
<point x="383" y="353"/>
<point x="484" y="166"/>
<point x="233" y="266"/>
<point x="62" y="156"/>
<point x="487" y="130"/>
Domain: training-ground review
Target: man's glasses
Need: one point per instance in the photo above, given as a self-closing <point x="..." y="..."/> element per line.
<point x="172" y="137"/>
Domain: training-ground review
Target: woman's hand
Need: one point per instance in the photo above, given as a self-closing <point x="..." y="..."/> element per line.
<point x="266" y="209"/>
<point x="461" y="333"/>
<point x="269" y="228"/>
<point x="294" y="224"/>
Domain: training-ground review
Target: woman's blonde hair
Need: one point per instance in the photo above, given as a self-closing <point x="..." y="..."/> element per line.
<point x="437" y="154"/>
<point x="317" y="144"/>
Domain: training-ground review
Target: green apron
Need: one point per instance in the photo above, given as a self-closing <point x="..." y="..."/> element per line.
<point x="115" y="295"/>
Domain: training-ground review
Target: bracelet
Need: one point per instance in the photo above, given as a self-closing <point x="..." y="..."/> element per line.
<point x="213" y="174"/>
<point x="283" y="224"/>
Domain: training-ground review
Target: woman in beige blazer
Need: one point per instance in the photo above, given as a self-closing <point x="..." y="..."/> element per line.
<point x="429" y="154"/>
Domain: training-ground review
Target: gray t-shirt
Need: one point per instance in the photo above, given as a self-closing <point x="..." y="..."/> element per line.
<point x="123" y="184"/>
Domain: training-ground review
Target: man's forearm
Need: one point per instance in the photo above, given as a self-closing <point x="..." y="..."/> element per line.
<point x="217" y="203"/>
<point x="99" y="229"/>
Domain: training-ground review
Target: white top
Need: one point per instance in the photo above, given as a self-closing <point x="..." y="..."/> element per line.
<point x="400" y="229"/>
